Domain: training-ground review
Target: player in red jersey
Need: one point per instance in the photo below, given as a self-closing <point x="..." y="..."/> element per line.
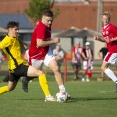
<point x="109" y="32"/>
<point x="40" y="51"/>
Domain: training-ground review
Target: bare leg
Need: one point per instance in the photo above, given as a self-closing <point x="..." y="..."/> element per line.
<point x="108" y="71"/>
<point x="55" y="68"/>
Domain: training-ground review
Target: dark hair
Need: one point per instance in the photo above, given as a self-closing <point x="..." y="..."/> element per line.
<point x="12" y="24"/>
<point x="48" y="13"/>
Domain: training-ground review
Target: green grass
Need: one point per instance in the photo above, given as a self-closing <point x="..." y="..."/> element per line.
<point x="89" y="99"/>
<point x="92" y="99"/>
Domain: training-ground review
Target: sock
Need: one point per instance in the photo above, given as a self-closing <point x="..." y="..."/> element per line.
<point x="44" y="84"/>
<point x="62" y="88"/>
<point x="111" y="74"/>
<point x="4" y="89"/>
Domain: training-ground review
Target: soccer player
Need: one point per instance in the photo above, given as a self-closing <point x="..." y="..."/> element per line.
<point x="40" y="51"/>
<point x="109" y="32"/>
<point x="16" y="64"/>
<point x="42" y="81"/>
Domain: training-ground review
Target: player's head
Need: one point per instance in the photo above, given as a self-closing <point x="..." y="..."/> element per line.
<point x="77" y="44"/>
<point x="47" y="18"/>
<point x="13" y="28"/>
<point x="58" y="47"/>
<point x="106" y="18"/>
<point x="87" y="45"/>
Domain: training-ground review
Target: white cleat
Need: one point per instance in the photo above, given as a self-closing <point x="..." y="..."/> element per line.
<point x="83" y="79"/>
<point x="25" y="84"/>
<point x="50" y="98"/>
<point x="87" y="80"/>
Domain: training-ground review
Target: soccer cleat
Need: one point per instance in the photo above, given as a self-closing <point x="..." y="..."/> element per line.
<point x="50" y="98"/>
<point x="25" y="84"/>
<point x="87" y="80"/>
<point x="83" y="79"/>
<point x="69" y="96"/>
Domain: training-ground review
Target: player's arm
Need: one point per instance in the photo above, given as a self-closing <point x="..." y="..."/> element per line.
<point x="83" y="55"/>
<point x="25" y="56"/>
<point x="23" y="43"/>
<point x="99" y="38"/>
<point x="42" y="43"/>
<point x="91" y="57"/>
<point x="73" y="53"/>
<point x="2" y="56"/>
<point x="61" y="56"/>
<point x="99" y="55"/>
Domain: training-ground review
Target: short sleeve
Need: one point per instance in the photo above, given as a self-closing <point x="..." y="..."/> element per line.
<point x="41" y="32"/>
<point x="5" y="43"/>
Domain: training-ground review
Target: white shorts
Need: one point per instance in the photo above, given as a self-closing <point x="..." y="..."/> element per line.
<point x="38" y="63"/>
<point x="111" y="58"/>
<point x="87" y="65"/>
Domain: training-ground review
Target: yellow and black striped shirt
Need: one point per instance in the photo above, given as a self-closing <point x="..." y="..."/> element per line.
<point x="11" y="47"/>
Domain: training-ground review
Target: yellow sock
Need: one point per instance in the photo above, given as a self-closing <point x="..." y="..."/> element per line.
<point x="44" y="84"/>
<point x="4" y="89"/>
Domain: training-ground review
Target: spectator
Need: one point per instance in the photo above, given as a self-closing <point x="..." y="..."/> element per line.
<point x="59" y="54"/>
<point x="102" y="53"/>
<point x="77" y="52"/>
<point x="87" y="65"/>
<point x="1" y="58"/>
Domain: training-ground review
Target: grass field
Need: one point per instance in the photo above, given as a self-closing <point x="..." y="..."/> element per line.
<point x="92" y="99"/>
<point x="89" y="99"/>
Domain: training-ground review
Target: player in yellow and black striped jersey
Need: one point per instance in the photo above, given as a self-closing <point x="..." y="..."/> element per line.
<point x="16" y="64"/>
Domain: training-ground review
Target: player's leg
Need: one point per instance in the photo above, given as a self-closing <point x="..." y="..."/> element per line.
<point x="55" y="68"/>
<point x="75" y="71"/>
<point x="109" y="58"/>
<point x="102" y="75"/>
<point x="11" y="84"/>
<point x="50" y="62"/>
<point x="32" y="71"/>
<point x="108" y="71"/>
<point x="84" y="70"/>
<point x="43" y="80"/>
<point x="78" y="67"/>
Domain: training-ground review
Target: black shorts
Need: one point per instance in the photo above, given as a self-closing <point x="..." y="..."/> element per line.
<point x="76" y="65"/>
<point x="15" y="74"/>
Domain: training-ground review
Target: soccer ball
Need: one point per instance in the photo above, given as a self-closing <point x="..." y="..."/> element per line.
<point x="62" y="97"/>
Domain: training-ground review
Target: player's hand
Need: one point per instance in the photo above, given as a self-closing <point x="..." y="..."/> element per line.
<point x="96" y="37"/>
<point x="26" y="46"/>
<point x="86" y="59"/>
<point x="56" y="40"/>
<point x="107" y="40"/>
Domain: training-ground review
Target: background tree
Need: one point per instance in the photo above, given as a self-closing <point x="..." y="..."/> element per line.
<point x="36" y="8"/>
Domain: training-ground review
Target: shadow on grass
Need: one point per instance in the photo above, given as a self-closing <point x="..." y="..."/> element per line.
<point x="89" y="99"/>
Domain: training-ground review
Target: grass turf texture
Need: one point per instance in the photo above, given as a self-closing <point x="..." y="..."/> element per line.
<point x="89" y="99"/>
<point x="92" y="99"/>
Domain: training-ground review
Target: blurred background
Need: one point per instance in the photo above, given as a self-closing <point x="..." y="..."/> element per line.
<point x="75" y="20"/>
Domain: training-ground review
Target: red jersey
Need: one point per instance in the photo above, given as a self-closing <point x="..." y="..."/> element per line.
<point x="40" y="32"/>
<point x="77" y="53"/>
<point x="109" y="32"/>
